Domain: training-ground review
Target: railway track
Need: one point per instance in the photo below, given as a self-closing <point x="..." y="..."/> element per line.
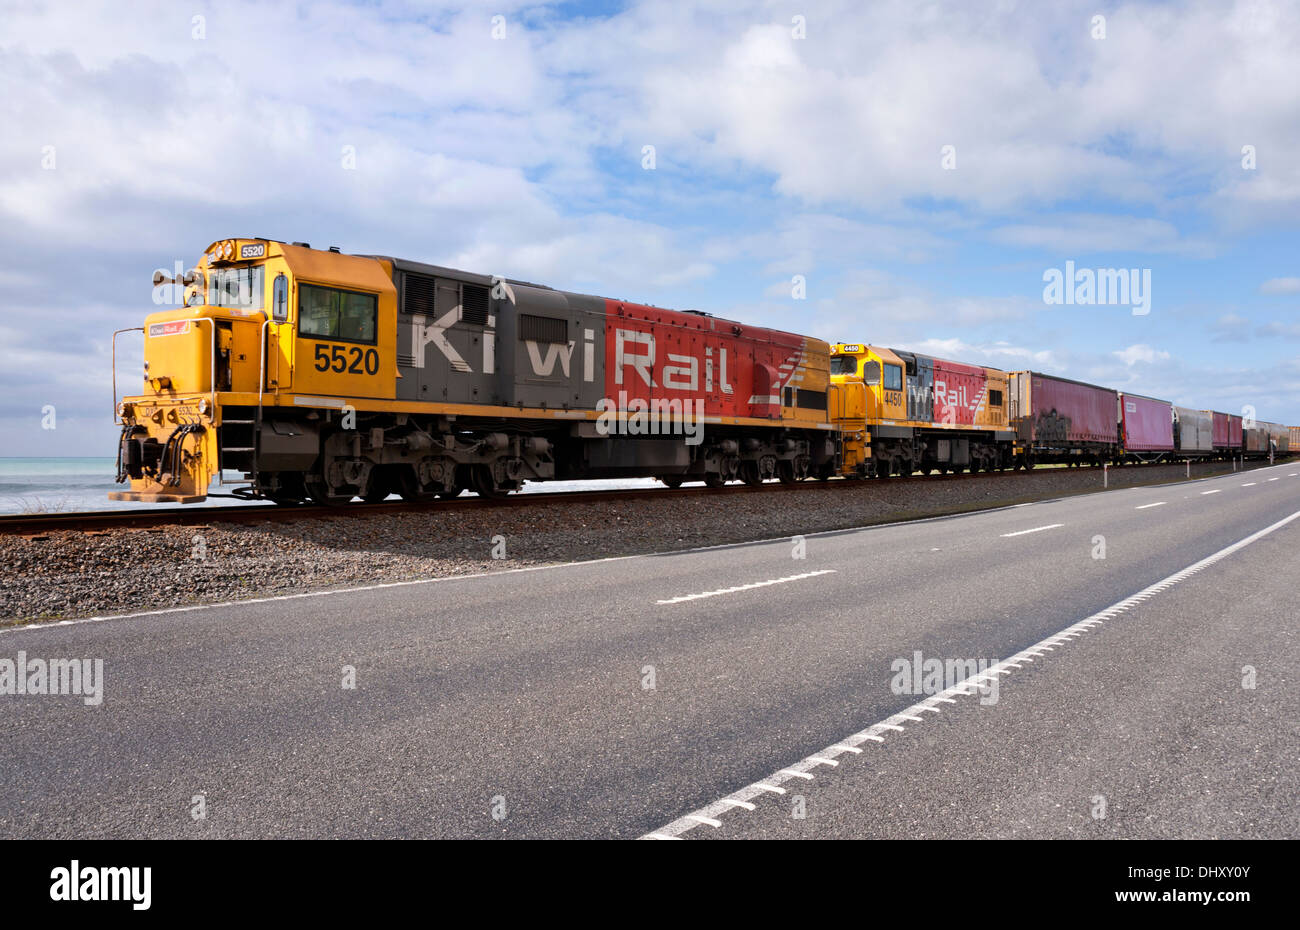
<point x="36" y="524"/>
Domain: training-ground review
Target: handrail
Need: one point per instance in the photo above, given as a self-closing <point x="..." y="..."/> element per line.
<point x="130" y="329"/>
<point x="263" y="351"/>
<point x="261" y="366"/>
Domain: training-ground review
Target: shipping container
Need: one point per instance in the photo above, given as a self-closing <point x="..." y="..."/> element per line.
<point x="1147" y="424"/>
<point x="1234" y="432"/>
<point x="1195" y="432"/>
<point x="1293" y="438"/>
<point x="1222" y="430"/>
<point x="1056" y="413"/>
<point x="1281" y="437"/>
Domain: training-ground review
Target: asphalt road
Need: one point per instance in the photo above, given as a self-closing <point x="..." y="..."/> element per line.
<point x="519" y="704"/>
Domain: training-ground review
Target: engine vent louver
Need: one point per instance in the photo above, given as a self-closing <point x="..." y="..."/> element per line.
<point x="543" y="329"/>
<point x="474" y="304"/>
<point x="417" y="294"/>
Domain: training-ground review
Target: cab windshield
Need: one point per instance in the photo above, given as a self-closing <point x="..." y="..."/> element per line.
<point x="844" y="364"/>
<point x="236" y="287"/>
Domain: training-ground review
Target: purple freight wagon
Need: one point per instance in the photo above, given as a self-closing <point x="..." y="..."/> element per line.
<point x="1147" y="424"/>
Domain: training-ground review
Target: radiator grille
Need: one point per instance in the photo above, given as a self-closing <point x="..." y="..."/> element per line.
<point x="474" y="304"/>
<point x="543" y="329"/>
<point x="417" y="294"/>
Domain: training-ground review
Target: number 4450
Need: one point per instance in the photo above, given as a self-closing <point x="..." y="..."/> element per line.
<point x="352" y="359"/>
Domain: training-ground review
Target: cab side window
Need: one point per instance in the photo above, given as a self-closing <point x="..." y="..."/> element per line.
<point x="328" y="313"/>
<point x="893" y="378"/>
<point x="871" y="373"/>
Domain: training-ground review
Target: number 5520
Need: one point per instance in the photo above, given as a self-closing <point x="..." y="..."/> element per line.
<point x="351" y="359"/>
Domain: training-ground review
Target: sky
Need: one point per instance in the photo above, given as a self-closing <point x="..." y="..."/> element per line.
<point x="910" y="174"/>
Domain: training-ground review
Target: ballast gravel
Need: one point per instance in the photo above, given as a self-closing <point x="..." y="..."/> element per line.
<point x="70" y="574"/>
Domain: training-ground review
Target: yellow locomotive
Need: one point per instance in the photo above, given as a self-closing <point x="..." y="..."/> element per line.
<point x="920" y="413"/>
<point x="325" y="376"/>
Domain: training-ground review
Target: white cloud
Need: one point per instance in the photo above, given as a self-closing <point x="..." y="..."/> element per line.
<point x="1280" y="286"/>
<point x="1081" y="234"/>
<point x="1140" y="353"/>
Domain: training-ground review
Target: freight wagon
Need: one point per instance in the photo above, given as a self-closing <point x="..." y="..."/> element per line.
<point x="1193" y="433"/>
<point x="1264" y="439"/>
<point x="1059" y="420"/>
<point x="1146" y="427"/>
<point x="1227" y="434"/>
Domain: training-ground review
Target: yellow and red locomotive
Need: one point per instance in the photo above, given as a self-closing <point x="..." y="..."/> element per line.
<point x="918" y="413"/>
<point x="324" y="376"/>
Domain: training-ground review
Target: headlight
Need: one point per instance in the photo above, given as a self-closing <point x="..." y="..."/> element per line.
<point x="121" y="410"/>
<point x="203" y="406"/>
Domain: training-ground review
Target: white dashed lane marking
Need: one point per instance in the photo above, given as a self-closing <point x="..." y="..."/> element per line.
<point x="745" y="587"/>
<point x="744" y="797"/>
<point x="1215" y="491"/>
<point x="1249" y="484"/>
<point x="1145" y="506"/>
<point x="1037" y="529"/>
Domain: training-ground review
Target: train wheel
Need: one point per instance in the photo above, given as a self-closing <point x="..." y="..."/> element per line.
<point x="785" y="472"/>
<point x="408" y="486"/>
<point x="448" y="495"/>
<point x="484" y="483"/>
<point x="672" y="481"/>
<point x="377" y="488"/>
<point x="714" y="480"/>
<point x="320" y="494"/>
<point x="749" y="474"/>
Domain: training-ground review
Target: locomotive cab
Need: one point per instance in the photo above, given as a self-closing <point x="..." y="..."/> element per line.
<point x="260" y="323"/>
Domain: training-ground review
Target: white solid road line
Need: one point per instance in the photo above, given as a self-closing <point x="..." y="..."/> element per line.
<point x="1145" y="506"/>
<point x="745" y="587"/>
<point x="800" y="769"/>
<point x="1037" y="529"/>
<point x="1215" y="491"/>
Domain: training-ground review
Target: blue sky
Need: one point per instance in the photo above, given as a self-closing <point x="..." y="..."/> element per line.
<point x="1115" y="144"/>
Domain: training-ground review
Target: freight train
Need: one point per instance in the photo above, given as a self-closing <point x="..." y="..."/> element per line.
<point x="323" y="376"/>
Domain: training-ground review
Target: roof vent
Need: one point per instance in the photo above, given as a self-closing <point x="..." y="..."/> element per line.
<point x="305" y="245"/>
<point x="334" y="249"/>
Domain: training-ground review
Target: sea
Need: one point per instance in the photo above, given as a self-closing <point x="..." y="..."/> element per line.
<point x="77" y="485"/>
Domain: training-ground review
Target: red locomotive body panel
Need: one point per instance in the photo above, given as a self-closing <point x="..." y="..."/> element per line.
<point x="959" y="392"/>
<point x="1148" y="423"/>
<point x="1066" y="411"/>
<point x="736" y="370"/>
